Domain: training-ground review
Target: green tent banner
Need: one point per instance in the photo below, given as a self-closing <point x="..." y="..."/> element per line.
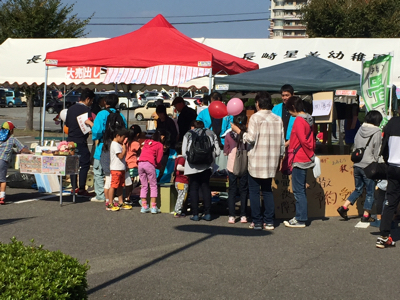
<point x="375" y="85"/>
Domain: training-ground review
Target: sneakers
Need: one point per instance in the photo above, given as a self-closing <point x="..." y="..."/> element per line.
<point x="293" y="223"/>
<point x="111" y="207"/>
<point x="231" y="220"/>
<point x="154" y="210"/>
<point x="128" y="202"/>
<point x="94" y="199"/>
<point x="207" y="217"/>
<point x="243" y="219"/>
<point x="385" y="241"/>
<point x="2" y="201"/>
<point x="195" y="218"/>
<point x="124" y="206"/>
<point x="343" y="212"/>
<point x="269" y="226"/>
<point x="176" y="215"/>
<point x="85" y="193"/>
<point x="144" y="210"/>
<point x="368" y="219"/>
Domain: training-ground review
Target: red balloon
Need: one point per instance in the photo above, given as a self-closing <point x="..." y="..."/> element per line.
<point x="217" y="110"/>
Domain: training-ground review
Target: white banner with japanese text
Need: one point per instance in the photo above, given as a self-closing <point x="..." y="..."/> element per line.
<point x="375" y="85"/>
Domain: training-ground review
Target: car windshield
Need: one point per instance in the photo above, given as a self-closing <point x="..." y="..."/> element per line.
<point x="9" y="94"/>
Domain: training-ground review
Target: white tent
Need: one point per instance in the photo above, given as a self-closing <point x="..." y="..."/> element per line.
<point x="22" y="63"/>
<point x="347" y="53"/>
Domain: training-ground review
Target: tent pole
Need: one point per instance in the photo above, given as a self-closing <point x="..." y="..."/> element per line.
<point x="210" y="82"/>
<point x="60" y="118"/>
<point x="391" y="86"/>
<point x="44" y="105"/>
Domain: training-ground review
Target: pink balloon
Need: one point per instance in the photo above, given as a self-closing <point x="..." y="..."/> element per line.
<point x="217" y="110"/>
<point x="235" y="106"/>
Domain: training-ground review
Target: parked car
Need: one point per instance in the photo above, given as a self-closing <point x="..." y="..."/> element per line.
<point x="13" y="98"/>
<point x="3" y="101"/>
<point x="57" y="105"/>
<point x="125" y="100"/>
<point x="150" y="96"/>
<point x="144" y="113"/>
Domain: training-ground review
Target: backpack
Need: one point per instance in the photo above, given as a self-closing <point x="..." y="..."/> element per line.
<point x="114" y="119"/>
<point x="4" y="134"/>
<point x="201" y="150"/>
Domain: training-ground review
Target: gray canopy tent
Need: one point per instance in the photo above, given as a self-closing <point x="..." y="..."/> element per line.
<point x="307" y="75"/>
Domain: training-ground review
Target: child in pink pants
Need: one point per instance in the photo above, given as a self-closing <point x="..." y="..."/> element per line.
<point x="149" y="159"/>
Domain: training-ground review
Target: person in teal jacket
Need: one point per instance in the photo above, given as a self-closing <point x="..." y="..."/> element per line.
<point x="98" y="129"/>
<point x="287" y="91"/>
<point x="205" y="117"/>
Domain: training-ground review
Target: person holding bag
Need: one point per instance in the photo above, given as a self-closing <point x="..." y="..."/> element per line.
<point x="301" y="158"/>
<point x="369" y="138"/>
<point x="235" y="149"/>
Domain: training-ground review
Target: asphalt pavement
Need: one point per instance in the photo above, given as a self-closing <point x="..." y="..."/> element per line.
<point x="143" y="256"/>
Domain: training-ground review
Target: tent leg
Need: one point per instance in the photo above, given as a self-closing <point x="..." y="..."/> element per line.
<point x="44" y="105"/>
<point x="210" y="82"/>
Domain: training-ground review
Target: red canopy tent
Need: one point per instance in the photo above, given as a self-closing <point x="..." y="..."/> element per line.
<point x="172" y="55"/>
<point x="164" y="45"/>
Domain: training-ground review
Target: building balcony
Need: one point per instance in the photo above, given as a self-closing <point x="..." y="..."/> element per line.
<point x="278" y="17"/>
<point x="292" y="17"/>
<point x="294" y="36"/>
<point x="294" y="27"/>
<point x="278" y="27"/>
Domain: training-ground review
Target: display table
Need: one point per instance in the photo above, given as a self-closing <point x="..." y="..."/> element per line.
<point x="50" y="165"/>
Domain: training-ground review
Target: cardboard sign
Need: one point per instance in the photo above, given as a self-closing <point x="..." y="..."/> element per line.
<point x="324" y="194"/>
<point x="318" y="100"/>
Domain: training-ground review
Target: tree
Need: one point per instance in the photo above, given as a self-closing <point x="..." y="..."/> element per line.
<point x="38" y="19"/>
<point x="352" y="18"/>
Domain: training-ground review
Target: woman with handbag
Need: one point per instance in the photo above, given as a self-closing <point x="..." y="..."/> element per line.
<point x="301" y="157"/>
<point x="367" y="144"/>
<point x="235" y="149"/>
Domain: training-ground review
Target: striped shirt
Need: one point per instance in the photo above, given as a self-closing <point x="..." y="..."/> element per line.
<point x="265" y="135"/>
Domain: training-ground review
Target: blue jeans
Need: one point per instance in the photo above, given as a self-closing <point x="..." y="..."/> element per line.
<point x="98" y="180"/>
<point x="269" y="206"/>
<point x="243" y="187"/>
<point x="299" y="177"/>
<point x="360" y="180"/>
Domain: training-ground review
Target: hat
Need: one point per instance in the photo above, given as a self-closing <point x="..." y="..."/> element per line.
<point x="8" y="125"/>
<point x="178" y="100"/>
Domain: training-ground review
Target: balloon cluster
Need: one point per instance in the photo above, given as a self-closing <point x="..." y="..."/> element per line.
<point x="218" y="109"/>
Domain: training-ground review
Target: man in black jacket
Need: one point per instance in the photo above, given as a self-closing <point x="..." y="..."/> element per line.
<point x="186" y="116"/>
<point x="391" y="155"/>
<point x="77" y="135"/>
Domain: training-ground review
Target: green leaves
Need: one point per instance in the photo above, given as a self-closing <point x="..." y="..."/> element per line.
<point x="39" y="19"/>
<point x="30" y="272"/>
<point x="352" y="18"/>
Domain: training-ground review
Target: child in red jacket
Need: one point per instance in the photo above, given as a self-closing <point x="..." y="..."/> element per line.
<point x="150" y="158"/>
<point x="301" y="157"/>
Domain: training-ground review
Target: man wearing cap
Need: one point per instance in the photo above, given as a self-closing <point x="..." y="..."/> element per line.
<point x="7" y="142"/>
<point x="185" y="118"/>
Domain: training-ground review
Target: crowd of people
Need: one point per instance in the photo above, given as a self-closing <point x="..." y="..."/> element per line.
<point x="188" y="152"/>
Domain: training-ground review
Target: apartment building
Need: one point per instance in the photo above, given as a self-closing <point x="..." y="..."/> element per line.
<point x="285" y="19"/>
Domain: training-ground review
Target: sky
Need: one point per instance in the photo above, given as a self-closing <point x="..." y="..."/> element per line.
<point x="132" y="12"/>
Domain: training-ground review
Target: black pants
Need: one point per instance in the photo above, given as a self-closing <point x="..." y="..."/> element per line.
<point x="393" y="199"/>
<point x="84" y="165"/>
<point x="243" y="190"/>
<point x="200" y="181"/>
